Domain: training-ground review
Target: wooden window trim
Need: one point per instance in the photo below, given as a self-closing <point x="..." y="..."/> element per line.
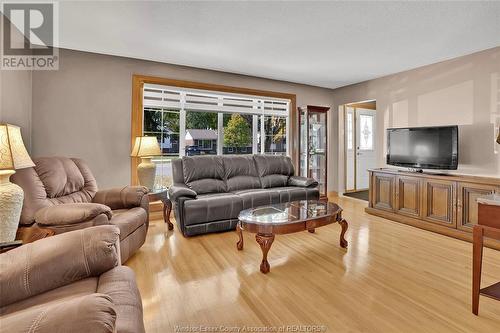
<point x="138" y="82"/>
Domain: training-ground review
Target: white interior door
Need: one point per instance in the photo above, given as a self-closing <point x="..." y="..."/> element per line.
<point x="365" y="145"/>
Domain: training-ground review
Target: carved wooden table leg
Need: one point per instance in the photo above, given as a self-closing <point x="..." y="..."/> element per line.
<point x="265" y="241"/>
<point x="167" y="208"/>
<point x="239" y="231"/>
<point x="343" y="224"/>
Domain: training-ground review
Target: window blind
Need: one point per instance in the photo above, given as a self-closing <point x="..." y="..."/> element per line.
<point x="203" y="101"/>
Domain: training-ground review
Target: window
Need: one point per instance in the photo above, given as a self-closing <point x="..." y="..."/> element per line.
<point x="350" y="133"/>
<point x="200" y="133"/>
<point x="199" y="122"/>
<point x="238" y="133"/>
<point x="164" y="125"/>
<point x="366" y="132"/>
<point x="274" y="135"/>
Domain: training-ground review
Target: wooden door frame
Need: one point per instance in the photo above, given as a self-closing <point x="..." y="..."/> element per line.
<point x="366" y="104"/>
<point x="138" y="82"/>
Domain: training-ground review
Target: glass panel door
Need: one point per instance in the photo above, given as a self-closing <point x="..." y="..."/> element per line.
<point x="303" y="142"/>
<point x="350" y="148"/>
<point x="365" y="146"/>
<point x="317" y="148"/>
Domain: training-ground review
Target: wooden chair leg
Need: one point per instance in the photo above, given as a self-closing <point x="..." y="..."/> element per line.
<point x="477" y="259"/>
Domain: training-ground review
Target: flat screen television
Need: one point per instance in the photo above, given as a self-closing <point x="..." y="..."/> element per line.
<point x="423" y="147"/>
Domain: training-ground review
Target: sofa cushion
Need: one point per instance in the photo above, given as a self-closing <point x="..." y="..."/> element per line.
<point x="274" y="170"/>
<point x="62" y="176"/>
<point x="70" y="181"/>
<point x="212" y="207"/>
<point x="120" y="285"/>
<point x="258" y="197"/>
<point x="215" y="226"/>
<point x="70" y="213"/>
<point x="121" y="197"/>
<point x="128" y="220"/>
<point x="76" y="289"/>
<point x="302" y="181"/>
<point x="35" y="197"/>
<point x="177" y="171"/>
<point x="293" y="193"/>
<point x="204" y="174"/>
<point x="89" y="313"/>
<point x="240" y="173"/>
<point x="52" y="262"/>
<point x="180" y="190"/>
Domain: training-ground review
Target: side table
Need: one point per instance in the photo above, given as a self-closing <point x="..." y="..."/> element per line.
<point x="162" y="195"/>
<point x="488" y="226"/>
<point x="26" y="235"/>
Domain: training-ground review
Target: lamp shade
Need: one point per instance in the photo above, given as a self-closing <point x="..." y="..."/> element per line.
<point x="13" y="154"/>
<point x="145" y="146"/>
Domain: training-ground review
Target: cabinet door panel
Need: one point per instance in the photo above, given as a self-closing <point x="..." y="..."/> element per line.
<point x="384" y="191"/>
<point x="408" y="196"/>
<point x="467" y="207"/>
<point x="313" y="145"/>
<point x="439" y="202"/>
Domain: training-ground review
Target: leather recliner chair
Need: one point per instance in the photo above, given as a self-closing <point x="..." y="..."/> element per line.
<point x="71" y="282"/>
<point x="61" y="194"/>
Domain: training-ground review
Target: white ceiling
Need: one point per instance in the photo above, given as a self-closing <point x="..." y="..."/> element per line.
<point x="327" y="44"/>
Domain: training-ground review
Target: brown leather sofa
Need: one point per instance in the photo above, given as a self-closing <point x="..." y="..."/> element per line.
<point x="210" y="191"/>
<point x="61" y="193"/>
<point x="71" y="282"/>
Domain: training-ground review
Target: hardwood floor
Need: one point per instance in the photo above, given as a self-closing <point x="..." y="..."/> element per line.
<point x="392" y="278"/>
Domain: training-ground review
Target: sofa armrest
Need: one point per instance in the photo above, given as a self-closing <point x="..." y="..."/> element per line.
<point x="57" y="261"/>
<point x="121" y="197"/>
<point x="89" y="313"/>
<point x="302" y="181"/>
<point x="66" y="214"/>
<point x="180" y="190"/>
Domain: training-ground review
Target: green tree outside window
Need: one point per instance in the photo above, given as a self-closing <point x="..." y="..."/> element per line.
<point x="201" y="120"/>
<point x="237" y="132"/>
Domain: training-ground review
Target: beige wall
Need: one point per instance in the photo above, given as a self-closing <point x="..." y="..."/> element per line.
<point x="15" y="100"/>
<point x="464" y="91"/>
<point x="84" y="108"/>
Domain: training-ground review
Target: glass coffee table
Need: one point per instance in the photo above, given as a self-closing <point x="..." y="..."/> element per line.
<point x="286" y="218"/>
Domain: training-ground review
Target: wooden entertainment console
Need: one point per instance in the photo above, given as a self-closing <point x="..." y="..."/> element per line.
<point x="442" y="203"/>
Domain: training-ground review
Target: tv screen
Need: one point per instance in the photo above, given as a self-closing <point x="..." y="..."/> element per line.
<point x="423" y="147"/>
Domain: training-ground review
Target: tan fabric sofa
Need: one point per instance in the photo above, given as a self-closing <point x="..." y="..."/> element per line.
<point x="71" y="282"/>
<point x="61" y="193"/>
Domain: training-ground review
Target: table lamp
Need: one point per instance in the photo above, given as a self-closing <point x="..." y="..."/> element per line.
<point x="13" y="156"/>
<point x="145" y="147"/>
